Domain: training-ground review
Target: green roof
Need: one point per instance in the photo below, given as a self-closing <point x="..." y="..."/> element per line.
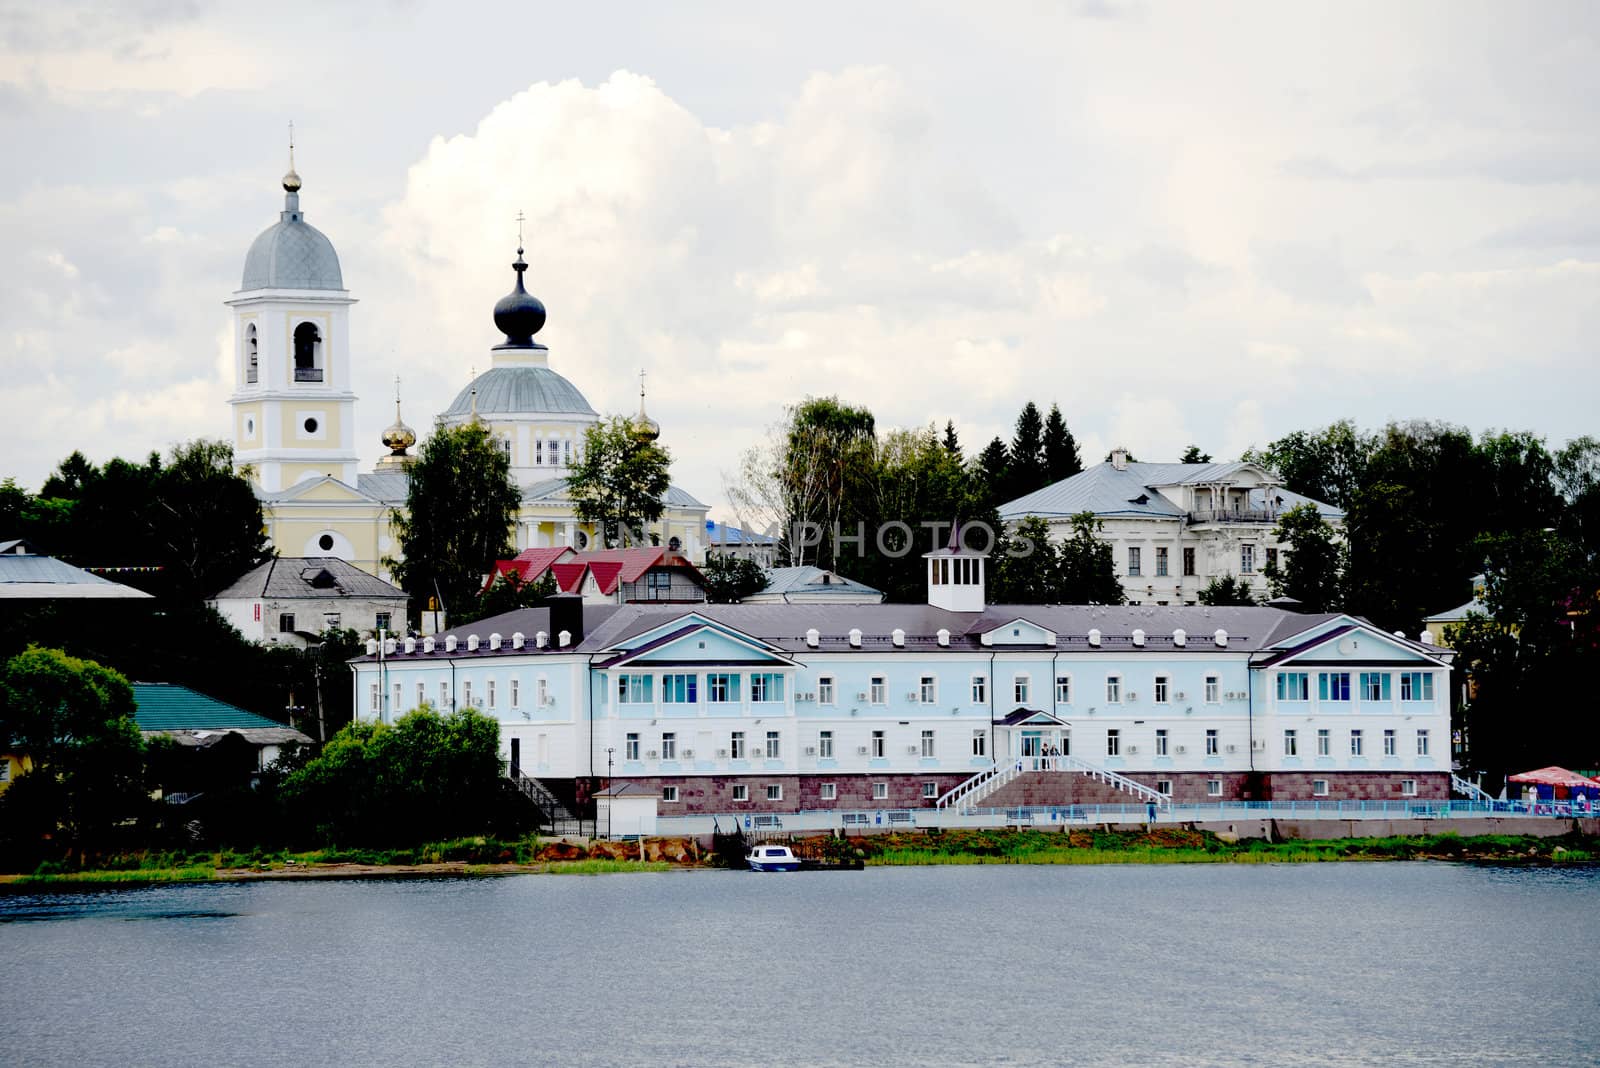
<point x="165" y="707"/>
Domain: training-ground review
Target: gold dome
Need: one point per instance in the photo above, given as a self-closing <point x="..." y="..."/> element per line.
<point x="644" y="427"/>
<point x="397" y="437"/>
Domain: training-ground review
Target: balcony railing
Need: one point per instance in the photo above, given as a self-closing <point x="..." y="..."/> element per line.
<point x="1236" y="515"/>
<point x="308" y="374"/>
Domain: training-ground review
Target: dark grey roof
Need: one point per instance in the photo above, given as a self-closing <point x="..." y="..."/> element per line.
<point x="1107" y="491"/>
<point x="291" y="254"/>
<point x="808" y="579"/>
<point x="555" y="489"/>
<point x="29" y="577"/>
<point x="291" y="577"/>
<point x="527" y="390"/>
<point x="390" y="487"/>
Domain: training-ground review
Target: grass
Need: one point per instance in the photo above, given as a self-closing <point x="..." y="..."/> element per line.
<point x="605" y="866"/>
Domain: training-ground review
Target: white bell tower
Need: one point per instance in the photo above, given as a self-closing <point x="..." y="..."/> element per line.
<point x="293" y="409"/>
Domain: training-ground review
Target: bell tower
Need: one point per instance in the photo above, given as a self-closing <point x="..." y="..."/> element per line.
<point x="293" y="409"/>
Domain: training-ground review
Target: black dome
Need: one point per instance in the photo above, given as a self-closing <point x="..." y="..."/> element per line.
<point x="519" y="314"/>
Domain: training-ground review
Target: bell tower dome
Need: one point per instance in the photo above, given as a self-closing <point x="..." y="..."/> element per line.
<point x="293" y="409"/>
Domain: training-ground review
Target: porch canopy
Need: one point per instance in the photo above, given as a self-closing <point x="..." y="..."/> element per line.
<point x="1553" y="778"/>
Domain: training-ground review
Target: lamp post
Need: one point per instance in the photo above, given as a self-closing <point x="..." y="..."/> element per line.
<point x="609" y="752"/>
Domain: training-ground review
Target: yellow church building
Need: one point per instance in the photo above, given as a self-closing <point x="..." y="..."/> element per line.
<point x="294" y="411"/>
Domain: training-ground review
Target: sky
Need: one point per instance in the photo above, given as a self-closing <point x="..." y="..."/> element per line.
<point x="1183" y="223"/>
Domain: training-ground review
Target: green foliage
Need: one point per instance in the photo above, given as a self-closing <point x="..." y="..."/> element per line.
<point x="1326" y="465"/>
<point x="730" y="579"/>
<point x="1027" y="472"/>
<point x="993" y="472"/>
<point x="74" y="720"/>
<point x="1193" y="455"/>
<point x="1088" y="573"/>
<point x="423" y="778"/>
<point x="460" y="510"/>
<point x="952" y="442"/>
<point x="507" y="593"/>
<point x="1227" y="590"/>
<point x="1313" y="571"/>
<point x="1061" y="456"/>
<point x="619" y="481"/>
<point x="1027" y="569"/>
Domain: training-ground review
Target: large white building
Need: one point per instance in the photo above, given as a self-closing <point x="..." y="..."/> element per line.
<point x="1174" y="528"/>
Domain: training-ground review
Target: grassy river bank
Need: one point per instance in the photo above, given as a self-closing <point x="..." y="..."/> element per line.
<point x="480" y="856"/>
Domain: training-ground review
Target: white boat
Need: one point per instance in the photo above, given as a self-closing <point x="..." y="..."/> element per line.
<point x="772" y="858"/>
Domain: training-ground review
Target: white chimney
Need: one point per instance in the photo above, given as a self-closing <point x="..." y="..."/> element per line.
<point x="494" y="641"/>
<point x="411" y="644"/>
<point x="1119" y="458"/>
<point x="813" y="638"/>
<point x="564" y="639"/>
<point x="898" y="636"/>
<point x="472" y="643"/>
<point x="427" y="644"/>
<point x="1221" y="638"/>
<point x="1094" y="637"/>
<point x="1138" y="638"/>
<point x="449" y="643"/>
<point x="855" y="637"/>
<point x="1180" y="637"/>
<point x="517" y="640"/>
<point x="1426" y="637"/>
<point x="372" y="647"/>
<point x="388" y="647"/>
<point x="541" y="639"/>
<point x="944" y="636"/>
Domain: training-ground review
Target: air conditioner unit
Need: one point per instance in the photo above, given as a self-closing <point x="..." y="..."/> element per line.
<point x="912" y="696"/>
<point x="1259" y="744"/>
<point x="1183" y="749"/>
<point x="912" y="750"/>
<point x="548" y="700"/>
<point x="722" y="754"/>
<point x="1178" y="696"/>
<point x="1133" y="749"/>
<point x="688" y="754"/>
<point x="1133" y="696"/>
<point x="811" y="750"/>
<point x="862" y="750"/>
<point x="1233" y="749"/>
<point x="861" y="696"/>
<point x="650" y="754"/>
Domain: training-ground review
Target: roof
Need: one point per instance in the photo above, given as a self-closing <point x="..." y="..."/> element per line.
<point x="1107" y="491"/>
<point x="1459" y="615"/>
<point x="164" y="706"/>
<point x="627" y="789"/>
<point x="1554" y="776"/>
<point x="291" y="254"/>
<point x="530" y="389"/>
<point x="529" y="564"/>
<point x="307" y="577"/>
<point x="555" y="489"/>
<point x="608" y="566"/>
<point x="723" y="534"/>
<point x="17" y="547"/>
<point x="814" y="582"/>
<point x="390" y="487"/>
<point x="28" y="577"/>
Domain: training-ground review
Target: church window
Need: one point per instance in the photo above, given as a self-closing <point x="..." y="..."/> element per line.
<point x="307" y="353"/>
<point x="538" y="452"/>
<point x="252" y="351"/>
<point x="311" y="426"/>
<point x="566" y="453"/>
<point x="325" y="542"/>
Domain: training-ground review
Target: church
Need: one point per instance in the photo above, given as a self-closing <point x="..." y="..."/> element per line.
<point x="293" y="411"/>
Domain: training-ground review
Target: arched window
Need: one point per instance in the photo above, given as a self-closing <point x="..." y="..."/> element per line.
<point x="252" y="354"/>
<point x="307" y="353"/>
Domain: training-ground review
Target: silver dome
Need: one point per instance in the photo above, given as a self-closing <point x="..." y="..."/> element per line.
<point x="292" y="254"/>
<point x="520" y="391"/>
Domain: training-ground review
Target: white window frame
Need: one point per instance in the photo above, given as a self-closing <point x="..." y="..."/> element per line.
<point x="828" y="791"/>
<point x="1163" y="689"/>
<point x="372" y="699"/>
<point x="1213" y="741"/>
<point x="516" y="692"/>
<point x="774" y="791"/>
<point x="398" y="700"/>
<point x="1319" y="787"/>
<point x="929" y="745"/>
<point x="878" y="690"/>
<point x="466" y="693"/>
<point x="422" y="694"/>
<point x="1422" y="741"/>
<point x="1358" y="744"/>
<point x="1113" y="689"/>
<point x="741" y="792"/>
<point x="980" y="743"/>
<point x="1063" y="689"/>
<point x="774" y="746"/>
<point x="1213" y="787"/>
<point x="1113" y="742"/>
<point x="880" y="791"/>
<point x="669" y="745"/>
<point x="1324" y="742"/>
<point x="1247" y="559"/>
<point x="1135" y="562"/>
<point x="980" y="690"/>
<point x="669" y="795"/>
<point x="825" y="690"/>
<point x="490" y="688"/>
<point x="1408" y="788"/>
<point x="1391" y="742"/>
<point x="1161" y="741"/>
<point x="825" y="745"/>
<point x="1213" y="689"/>
<point x="879" y="744"/>
<point x="736" y="746"/>
<point x="630" y="746"/>
<point x="1291" y="743"/>
<point x="1021" y="687"/>
<point x="930" y="791"/>
<point x="1164" y="786"/>
<point x="928" y="689"/>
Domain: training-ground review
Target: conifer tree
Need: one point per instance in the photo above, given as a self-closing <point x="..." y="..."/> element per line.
<point x="1061" y="457"/>
<point x="952" y="443"/>
<point x="1027" y="452"/>
<point x="994" y="472"/>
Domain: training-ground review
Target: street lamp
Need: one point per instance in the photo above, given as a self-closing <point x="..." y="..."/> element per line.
<point x="609" y="752"/>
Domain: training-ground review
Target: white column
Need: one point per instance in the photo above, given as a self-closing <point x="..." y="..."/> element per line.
<point x="572" y="533"/>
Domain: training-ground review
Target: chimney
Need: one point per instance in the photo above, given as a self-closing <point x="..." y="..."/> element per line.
<point x="1119" y="458"/>
<point x="566" y="614"/>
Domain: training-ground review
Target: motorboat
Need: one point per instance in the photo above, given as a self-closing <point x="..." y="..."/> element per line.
<point x="772" y="858"/>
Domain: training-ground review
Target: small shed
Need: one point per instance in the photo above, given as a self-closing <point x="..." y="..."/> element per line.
<point x="1557" y="784"/>
<point x="626" y="810"/>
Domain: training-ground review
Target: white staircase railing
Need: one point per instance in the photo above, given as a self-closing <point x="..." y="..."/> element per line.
<point x="967" y="795"/>
<point x="1468" y="789"/>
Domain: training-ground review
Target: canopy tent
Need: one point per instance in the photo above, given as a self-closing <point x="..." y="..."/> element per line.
<point x="1557" y="784"/>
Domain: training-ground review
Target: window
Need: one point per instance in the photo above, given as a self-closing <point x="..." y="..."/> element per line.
<point x="635" y="690"/>
<point x="736" y="745"/>
<point x="980" y="689"/>
<point x="1188" y="563"/>
<point x="774" y="745"/>
<point x="774" y="791"/>
<point x="5" y="771"/>
<point x="1133" y="560"/>
<point x="1324" y="742"/>
<point x="669" y="746"/>
<point x="1113" y="743"/>
<point x="877" y="690"/>
<point x="1319" y="787"/>
<point x="307" y="353"/>
<point x="980" y="743"/>
<point x="444" y="697"/>
<point x="516" y="693"/>
<point x="1294" y="686"/>
<point x="1291" y="745"/>
<point x="1019" y="688"/>
<point x="1113" y="689"/>
<point x="381" y="621"/>
<point x="252" y="354"/>
<point x="372" y="703"/>
<point x="1211" y="742"/>
<point x="880" y="791"/>
<point x="928" y="752"/>
<point x="1272" y="559"/>
<point x="1355" y="743"/>
<point x="1164" y="786"/>
<point x="1333" y="686"/>
<point x="630" y="748"/>
<point x="1213" y="787"/>
<point x="658" y="585"/>
<point x="1161" y="562"/>
<point x="825" y="690"/>
<point x="422" y="694"/>
<point x="541" y="691"/>
<point x="466" y="694"/>
<point x="928" y="690"/>
<point x="930" y="791"/>
<point x="680" y="689"/>
<point x="1375" y="686"/>
<point x="669" y="794"/>
<point x="877" y="745"/>
<point x="1161" y="742"/>
<point x="1389" y="744"/>
<point x="828" y="791"/>
<point x="1247" y="559"/>
<point x="766" y="686"/>
<point x="1161" y="689"/>
<point x="1422" y="743"/>
<point x="741" y="792"/>
<point x="286" y="623"/>
<point x="491" y="693"/>
<point x="1408" y="787"/>
<point x="538" y="452"/>
<point x="1063" y="689"/>
<point x="394" y="705"/>
<point x="1416" y="686"/>
<point x="722" y="689"/>
<point x="1213" y="689"/>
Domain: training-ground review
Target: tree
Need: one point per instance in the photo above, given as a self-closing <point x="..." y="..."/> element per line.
<point x="730" y="579"/>
<point x="952" y="443"/>
<point x="1313" y="572"/>
<point x="1027" y="470"/>
<point x="74" y="720"/>
<point x="1061" y="457"/>
<point x="205" y="519"/>
<point x="619" y="481"/>
<point x="1026" y="566"/>
<point x="507" y="593"/>
<point x="1193" y="455"/>
<point x="1227" y="590"/>
<point x="459" y="514"/>
<point x="1088" y="573"/>
<point x="1326" y="465"/>
<point x="994" y="472"/>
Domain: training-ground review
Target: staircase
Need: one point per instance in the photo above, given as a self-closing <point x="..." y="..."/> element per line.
<point x="1470" y="790"/>
<point x="552" y="813"/>
<point x="1056" y="780"/>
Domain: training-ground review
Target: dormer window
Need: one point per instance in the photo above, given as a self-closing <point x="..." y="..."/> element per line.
<point x="307" y="353"/>
<point x="252" y="354"/>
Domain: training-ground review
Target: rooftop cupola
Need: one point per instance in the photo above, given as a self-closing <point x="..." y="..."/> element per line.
<point x="955" y="575"/>
<point x="397" y="437"/>
<point x="644" y="427"/>
<point x="291" y="253"/>
<point x="519" y="314"/>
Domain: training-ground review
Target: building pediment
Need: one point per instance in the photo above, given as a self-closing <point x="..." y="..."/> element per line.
<point x="1354" y="642"/>
<point x="1019" y="631"/>
<point x="694" y="639"/>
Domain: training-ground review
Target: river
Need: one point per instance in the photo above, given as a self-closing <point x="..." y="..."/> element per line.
<point x="1342" y="964"/>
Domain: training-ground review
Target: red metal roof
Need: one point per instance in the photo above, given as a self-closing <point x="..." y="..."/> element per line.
<point x="1554" y="776"/>
<point x="606" y="573"/>
<point x="569" y="575"/>
<point x="529" y="565"/>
